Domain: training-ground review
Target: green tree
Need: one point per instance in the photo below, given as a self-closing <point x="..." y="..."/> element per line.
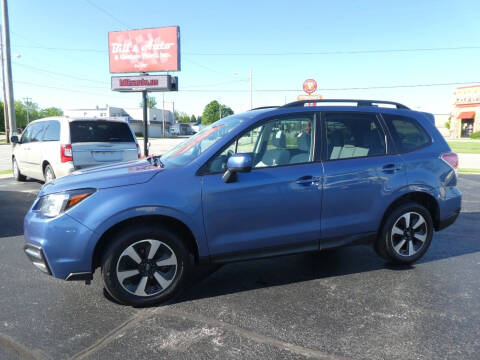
<point x="184" y="118"/>
<point x="211" y="113"/>
<point x="151" y="102"/>
<point x="51" y="111"/>
<point x="193" y="119"/>
<point x="21" y="113"/>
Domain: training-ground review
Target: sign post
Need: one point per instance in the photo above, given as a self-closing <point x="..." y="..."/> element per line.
<point x="152" y="50"/>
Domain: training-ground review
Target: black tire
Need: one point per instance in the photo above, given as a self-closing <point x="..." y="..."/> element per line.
<point x="402" y="244"/>
<point x="48" y="174"/>
<point x="141" y="239"/>
<point x="17" y="175"/>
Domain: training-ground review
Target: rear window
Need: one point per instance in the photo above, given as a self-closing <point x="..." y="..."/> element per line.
<point x="407" y="133"/>
<point x="99" y="131"/>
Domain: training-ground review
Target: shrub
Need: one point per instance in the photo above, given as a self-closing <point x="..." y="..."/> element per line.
<point x="475" y="135"/>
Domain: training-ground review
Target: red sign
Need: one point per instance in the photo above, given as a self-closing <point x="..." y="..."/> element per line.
<point x="144" y="50"/>
<point x="309" y="86"/>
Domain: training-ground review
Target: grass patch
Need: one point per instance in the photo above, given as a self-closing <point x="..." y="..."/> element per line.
<point x="465" y="147"/>
<point x="5" y="172"/>
<point x="469" y="171"/>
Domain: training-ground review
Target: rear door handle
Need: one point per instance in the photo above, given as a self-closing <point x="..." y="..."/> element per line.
<point x="390" y="168"/>
<point x="308" y="180"/>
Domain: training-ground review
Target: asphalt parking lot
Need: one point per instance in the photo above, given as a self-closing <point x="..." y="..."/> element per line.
<point x="340" y="304"/>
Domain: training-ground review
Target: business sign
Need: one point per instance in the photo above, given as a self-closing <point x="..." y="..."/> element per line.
<point x="309" y="86"/>
<point x="145" y="83"/>
<point x="468" y="95"/>
<point x="144" y="50"/>
<point x="309" y="97"/>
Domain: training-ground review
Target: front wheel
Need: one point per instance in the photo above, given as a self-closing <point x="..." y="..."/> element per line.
<point x="145" y="266"/>
<point x="17" y="175"/>
<point x="406" y="234"/>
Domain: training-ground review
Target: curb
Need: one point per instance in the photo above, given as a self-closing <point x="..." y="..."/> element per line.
<point x="6" y="176"/>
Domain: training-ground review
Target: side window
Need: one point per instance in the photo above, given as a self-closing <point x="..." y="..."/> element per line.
<point x="27" y="133"/>
<point x="353" y="135"/>
<point x="37" y="132"/>
<point x="278" y="142"/>
<point x="407" y="133"/>
<point x="52" y="131"/>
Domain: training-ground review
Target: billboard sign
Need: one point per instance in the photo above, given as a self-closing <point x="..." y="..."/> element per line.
<point x="144" y="50"/>
<point x="145" y="83"/>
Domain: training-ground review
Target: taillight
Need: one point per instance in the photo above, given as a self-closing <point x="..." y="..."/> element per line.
<point x="66" y="154"/>
<point x="139" y="152"/>
<point x="451" y="159"/>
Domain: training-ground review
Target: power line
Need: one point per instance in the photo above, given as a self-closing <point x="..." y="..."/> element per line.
<point x="59" y="74"/>
<point x="280" y="53"/>
<point x="330" y="52"/>
<point x="345" y="88"/>
<point x="107" y="13"/>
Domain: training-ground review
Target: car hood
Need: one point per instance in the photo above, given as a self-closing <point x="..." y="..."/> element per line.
<point x="107" y="176"/>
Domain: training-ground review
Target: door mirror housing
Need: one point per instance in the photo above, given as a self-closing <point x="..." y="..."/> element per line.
<point x="14" y="139"/>
<point x="235" y="164"/>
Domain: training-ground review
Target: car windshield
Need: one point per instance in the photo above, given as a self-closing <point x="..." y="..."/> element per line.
<point x="190" y="149"/>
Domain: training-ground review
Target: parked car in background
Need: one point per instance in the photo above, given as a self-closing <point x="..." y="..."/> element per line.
<point x="268" y="182"/>
<point x="54" y="147"/>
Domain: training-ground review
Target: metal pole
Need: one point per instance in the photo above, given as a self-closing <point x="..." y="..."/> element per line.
<point x="8" y="76"/>
<point x="251" y="92"/>
<point x="163" y="114"/>
<point x="5" y="108"/>
<point x="145" y="123"/>
<point x="219" y="111"/>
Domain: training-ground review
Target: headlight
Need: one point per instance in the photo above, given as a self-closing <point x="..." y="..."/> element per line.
<point x="54" y="204"/>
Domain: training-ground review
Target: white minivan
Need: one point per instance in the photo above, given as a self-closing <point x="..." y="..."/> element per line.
<point x="54" y="147"/>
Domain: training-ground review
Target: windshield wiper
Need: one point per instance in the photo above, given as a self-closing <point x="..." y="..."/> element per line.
<point x="155" y="161"/>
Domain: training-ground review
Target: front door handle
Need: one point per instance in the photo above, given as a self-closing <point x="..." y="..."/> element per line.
<point x="308" y="180"/>
<point x="390" y="168"/>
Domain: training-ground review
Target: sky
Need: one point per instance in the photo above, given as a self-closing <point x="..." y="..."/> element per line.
<point x="60" y="50"/>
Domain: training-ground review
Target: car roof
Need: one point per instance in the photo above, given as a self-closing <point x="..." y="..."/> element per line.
<point x="72" y="119"/>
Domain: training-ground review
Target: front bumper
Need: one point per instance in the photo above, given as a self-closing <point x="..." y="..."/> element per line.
<point x="58" y="246"/>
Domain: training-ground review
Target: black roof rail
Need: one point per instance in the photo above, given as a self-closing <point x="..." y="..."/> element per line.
<point x="264" y="107"/>
<point x="359" y="102"/>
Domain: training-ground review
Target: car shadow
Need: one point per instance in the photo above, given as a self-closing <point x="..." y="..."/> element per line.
<point x="278" y="271"/>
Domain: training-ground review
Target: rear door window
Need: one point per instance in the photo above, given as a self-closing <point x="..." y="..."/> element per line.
<point x="353" y="135"/>
<point x="52" y="131"/>
<point x="99" y="131"/>
<point x="406" y="132"/>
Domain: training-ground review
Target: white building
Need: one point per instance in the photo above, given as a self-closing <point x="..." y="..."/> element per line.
<point x="134" y="116"/>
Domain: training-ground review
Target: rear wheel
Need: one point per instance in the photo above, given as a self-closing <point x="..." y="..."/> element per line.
<point x="48" y="174"/>
<point x="145" y="266"/>
<point x="17" y="175"/>
<point x="406" y="234"/>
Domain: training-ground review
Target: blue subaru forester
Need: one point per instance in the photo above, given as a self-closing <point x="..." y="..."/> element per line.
<point x="271" y="181"/>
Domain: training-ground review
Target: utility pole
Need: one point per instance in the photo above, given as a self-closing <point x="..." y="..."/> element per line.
<point x="219" y="110"/>
<point x="145" y="123"/>
<point x="251" y="92"/>
<point x="163" y="114"/>
<point x="8" y="74"/>
<point x="27" y="103"/>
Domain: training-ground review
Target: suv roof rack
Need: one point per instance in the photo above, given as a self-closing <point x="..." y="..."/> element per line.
<point x="264" y="107"/>
<point x="359" y="102"/>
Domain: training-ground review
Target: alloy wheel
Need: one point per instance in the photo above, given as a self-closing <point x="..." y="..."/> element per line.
<point x="49" y="175"/>
<point x="409" y="234"/>
<point x="15" y="169"/>
<point x="146" y="267"/>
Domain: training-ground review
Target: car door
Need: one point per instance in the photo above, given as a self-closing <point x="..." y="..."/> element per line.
<point x="35" y="152"/>
<point x="361" y="176"/>
<point x="274" y="208"/>
<point x="22" y="149"/>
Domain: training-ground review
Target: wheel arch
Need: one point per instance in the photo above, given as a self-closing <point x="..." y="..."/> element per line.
<point x="169" y="222"/>
<point x="423" y="198"/>
<point x="44" y="165"/>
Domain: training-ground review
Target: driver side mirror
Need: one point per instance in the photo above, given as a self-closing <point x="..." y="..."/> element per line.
<point x="235" y="164"/>
<point x="14" y="139"/>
